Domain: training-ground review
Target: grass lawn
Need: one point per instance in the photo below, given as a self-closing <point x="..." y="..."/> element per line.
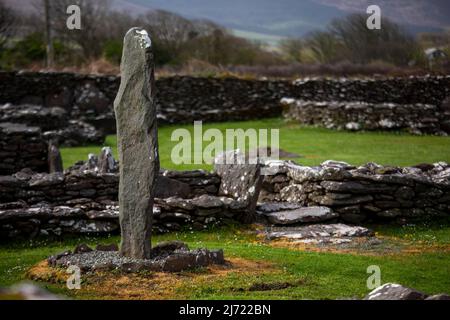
<point x="318" y="275"/>
<point x="425" y="265"/>
<point x="315" y="145"/>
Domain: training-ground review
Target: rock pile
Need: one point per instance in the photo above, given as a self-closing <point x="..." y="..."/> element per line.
<point x="172" y="256"/>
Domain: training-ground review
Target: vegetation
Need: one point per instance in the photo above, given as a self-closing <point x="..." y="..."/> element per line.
<point x="306" y="274"/>
<point x="314" y="145"/>
<point x="181" y="45"/>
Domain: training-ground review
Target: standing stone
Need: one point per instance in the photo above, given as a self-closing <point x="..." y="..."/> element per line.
<point x="137" y="139"/>
<point x="240" y="180"/>
<point x="55" y="163"/>
<point x="106" y="161"/>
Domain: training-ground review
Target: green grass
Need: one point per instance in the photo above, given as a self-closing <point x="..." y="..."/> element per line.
<point x="315" y="145"/>
<point x="323" y="275"/>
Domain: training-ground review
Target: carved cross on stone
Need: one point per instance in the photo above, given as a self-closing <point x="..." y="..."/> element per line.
<point x="137" y="139"/>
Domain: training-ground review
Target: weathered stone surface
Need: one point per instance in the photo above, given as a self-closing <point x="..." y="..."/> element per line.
<point x="276" y="207"/>
<point x="167" y="187"/>
<point x="319" y="233"/>
<point x="392" y="291"/>
<point x="301" y="215"/>
<point x="240" y="180"/>
<point x="137" y="144"/>
<point x="367" y="193"/>
<point x="55" y="163"/>
<point x="106" y="162"/>
<point x="355" y="187"/>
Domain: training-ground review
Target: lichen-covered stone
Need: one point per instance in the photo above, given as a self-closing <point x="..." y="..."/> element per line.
<point x="137" y="139"/>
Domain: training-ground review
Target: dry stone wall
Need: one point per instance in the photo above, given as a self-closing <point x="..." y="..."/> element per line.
<point x="182" y="99"/>
<point x="54" y="123"/>
<point x="418" y="105"/>
<point x="366" y="193"/>
<point x="356" y="116"/>
<point x="21" y="147"/>
<point x="85" y="201"/>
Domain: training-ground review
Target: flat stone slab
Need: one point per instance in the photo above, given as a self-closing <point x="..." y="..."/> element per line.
<point x="301" y="215"/>
<point x="319" y="233"/>
<point x="172" y="256"/>
<point x="268" y="207"/>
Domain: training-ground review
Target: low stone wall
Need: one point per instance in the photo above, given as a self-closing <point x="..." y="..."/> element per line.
<point x="367" y="193"/>
<point x="410" y="90"/>
<point x="54" y="122"/>
<point x="185" y="99"/>
<point x="22" y="147"/>
<point x="355" y="116"/>
<point x="86" y="202"/>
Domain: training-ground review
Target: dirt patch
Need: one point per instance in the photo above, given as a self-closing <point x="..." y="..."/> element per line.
<point x="147" y="285"/>
<point x="263" y="286"/>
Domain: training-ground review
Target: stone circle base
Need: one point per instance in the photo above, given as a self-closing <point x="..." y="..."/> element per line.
<point x="173" y="256"/>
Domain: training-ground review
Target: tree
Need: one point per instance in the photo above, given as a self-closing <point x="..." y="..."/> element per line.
<point x="292" y="49"/>
<point x="7" y="19"/>
<point x="390" y="43"/>
<point x="48" y="35"/>
<point x="324" y="47"/>
<point x="94" y="32"/>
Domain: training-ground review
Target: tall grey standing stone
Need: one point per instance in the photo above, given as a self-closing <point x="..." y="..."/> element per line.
<point x="137" y="144"/>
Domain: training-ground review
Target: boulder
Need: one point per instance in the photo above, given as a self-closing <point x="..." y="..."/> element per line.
<point x="392" y="291"/>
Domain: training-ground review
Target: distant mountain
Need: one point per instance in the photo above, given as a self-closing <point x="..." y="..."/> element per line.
<point x="272" y="19"/>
